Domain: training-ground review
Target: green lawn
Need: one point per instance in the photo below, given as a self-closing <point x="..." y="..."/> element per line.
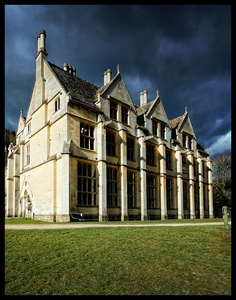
<point x="193" y="260"/>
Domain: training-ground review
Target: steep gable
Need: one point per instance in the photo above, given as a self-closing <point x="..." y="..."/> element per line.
<point x="81" y="91"/>
<point x="157" y="111"/>
<point x="154" y="109"/>
<point x="183" y="124"/>
<point x="117" y="89"/>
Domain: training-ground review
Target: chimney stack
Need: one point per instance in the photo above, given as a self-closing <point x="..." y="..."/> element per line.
<point x="69" y="69"/>
<point x="143" y="97"/>
<point x="107" y="76"/>
<point x="42" y="41"/>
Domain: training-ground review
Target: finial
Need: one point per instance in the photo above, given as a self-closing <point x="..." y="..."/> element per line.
<point x="157" y="93"/>
<point x="186" y="109"/>
<point x="21" y="112"/>
<point x="118" y="69"/>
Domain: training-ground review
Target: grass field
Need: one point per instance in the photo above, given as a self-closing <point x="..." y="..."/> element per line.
<point x="193" y="260"/>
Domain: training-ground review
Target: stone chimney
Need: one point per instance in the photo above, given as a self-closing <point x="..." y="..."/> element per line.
<point x="69" y="69"/>
<point x="143" y="97"/>
<point x="42" y="41"/>
<point x="65" y="67"/>
<point x="107" y="76"/>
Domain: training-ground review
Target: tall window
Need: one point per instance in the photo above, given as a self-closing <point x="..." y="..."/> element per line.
<point x="113" y="110"/>
<point x="125" y="114"/>
<point x="184" y="139"/>
<point x="185" y="194"/>
<point x="154" y="127"/>
<point x="111" y="143"/>
<point x="195" y="167"/>
<point x="150" y="154"/>
<point x="29" y="127"/>
<point x="86" y="184"/>
<point x="196" y="196"/>
<point x="86" y="136"/>
<point x="130" y="149"/>
<point x="190" y="142"/>
<point x="27" y="154"/>
<point x="203" y="169"/>
<point x="57" y="104"/>
<point x="131" y="189"/>
<point x="169" y="193"/>
<point x="151" y="191"/>
<point x="168" y="160"/>
<point x="163" y="130"/>
<point x="112" y="190"/>
<point x="184" y="164"/>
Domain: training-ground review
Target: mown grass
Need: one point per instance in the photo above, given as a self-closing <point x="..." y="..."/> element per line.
<point x="193" y="260"/>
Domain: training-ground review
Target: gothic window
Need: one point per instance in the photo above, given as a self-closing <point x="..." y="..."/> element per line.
<point x="112" y="187"/>
<point x="151" y="191"/>
<point x="86" y="136"/>
<point x="86" y="181"/>
<point x="131" y="189"/>
<point x="57" y="104"/>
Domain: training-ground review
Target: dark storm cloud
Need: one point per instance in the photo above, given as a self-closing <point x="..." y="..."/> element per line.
<point x="184" y="51"/>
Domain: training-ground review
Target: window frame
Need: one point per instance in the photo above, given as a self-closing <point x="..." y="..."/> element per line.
<point x="86" y="184"/>
<point x="152" y="196"/>
<point x="112" y="187"/>
<point x="150" y="155"/>
<point x="131" y="189"/>
<point x="130" y="149"/>
<point x="110" y="143"/>
<point x="87" y="141"/>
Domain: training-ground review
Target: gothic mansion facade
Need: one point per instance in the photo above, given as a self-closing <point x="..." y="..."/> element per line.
<point x="89" y="149"/>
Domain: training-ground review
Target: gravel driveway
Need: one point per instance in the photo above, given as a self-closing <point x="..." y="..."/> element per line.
<point x="87" y="225"/>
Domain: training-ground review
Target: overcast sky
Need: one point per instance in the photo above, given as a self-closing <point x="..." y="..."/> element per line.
<point x="184" y="51"/>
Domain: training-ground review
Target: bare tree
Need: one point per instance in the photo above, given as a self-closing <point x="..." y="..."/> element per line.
<point x="222" y="181"/>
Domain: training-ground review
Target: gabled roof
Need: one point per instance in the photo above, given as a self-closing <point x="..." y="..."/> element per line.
<point x="117" y="89"/>
<point x="176" y="123"/>
<point x="144" y="109"/>
<point x="81" y="91"/>
<point x="182" y="123"/>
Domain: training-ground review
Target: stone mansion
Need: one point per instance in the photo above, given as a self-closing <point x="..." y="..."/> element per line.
<point x="91" y="150"/>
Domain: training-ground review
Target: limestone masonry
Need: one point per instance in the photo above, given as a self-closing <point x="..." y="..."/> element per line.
<point x="91" y="150"/>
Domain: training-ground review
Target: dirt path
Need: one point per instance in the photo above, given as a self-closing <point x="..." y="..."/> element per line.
<point x="88" y="225"/>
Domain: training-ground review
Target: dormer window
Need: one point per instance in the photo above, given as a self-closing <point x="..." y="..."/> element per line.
<point x="154" y="127"/>
<point x="113" y="110"/>
<point x="57" y="104"/>
<point x="158" y="129"/>
<point x="163" y="130"/>
<point x="125" y="114"/>
<point x="184" y="139"/>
